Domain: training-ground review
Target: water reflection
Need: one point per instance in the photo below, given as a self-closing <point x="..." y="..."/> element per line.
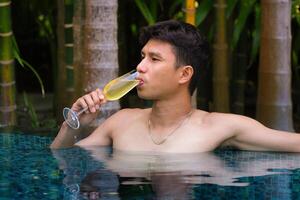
<point x="101" y="173"/>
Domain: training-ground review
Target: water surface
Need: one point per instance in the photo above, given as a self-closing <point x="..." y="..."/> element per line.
<point x="30" y="170"/>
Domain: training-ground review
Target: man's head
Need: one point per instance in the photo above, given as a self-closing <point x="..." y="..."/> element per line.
<point x="190" y="47"/>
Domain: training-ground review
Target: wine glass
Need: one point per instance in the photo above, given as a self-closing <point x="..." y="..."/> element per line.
<point x="114" y="90"/>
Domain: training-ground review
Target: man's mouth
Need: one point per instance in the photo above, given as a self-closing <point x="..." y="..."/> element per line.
<point x="141" y="81"/>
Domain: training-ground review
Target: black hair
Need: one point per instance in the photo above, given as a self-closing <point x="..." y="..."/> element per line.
<point x="191" y="47"/>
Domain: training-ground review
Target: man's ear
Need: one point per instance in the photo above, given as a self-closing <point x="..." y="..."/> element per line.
<point x="186" y="73"/>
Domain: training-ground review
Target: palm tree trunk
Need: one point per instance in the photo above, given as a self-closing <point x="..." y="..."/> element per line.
<point x="100" y="48"/>
<point x="220" y="61"/>
<point x="190" y="17"/>
<point x="7" y="74"/>
<point x="274" y="106"/>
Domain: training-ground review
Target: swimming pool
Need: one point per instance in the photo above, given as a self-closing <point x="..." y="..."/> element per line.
<point x="30" y="170"/>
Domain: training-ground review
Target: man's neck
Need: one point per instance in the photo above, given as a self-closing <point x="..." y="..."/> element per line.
<point x="170" y="112"/>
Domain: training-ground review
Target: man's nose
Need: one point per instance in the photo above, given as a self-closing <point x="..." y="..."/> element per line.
<point x="141" y="67"/>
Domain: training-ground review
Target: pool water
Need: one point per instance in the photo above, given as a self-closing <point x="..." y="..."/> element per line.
<point x="30" y="170"/>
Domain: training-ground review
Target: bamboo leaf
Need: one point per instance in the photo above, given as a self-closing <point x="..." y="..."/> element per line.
<point x="153" y="8"/>
<point x="145" y="11"/>
<point x="23" y="63"/>
<point x="36" y="75"/>
<point x="230" y="7"/>
<point x="173" y="7"/>
<point x="296" y="10"/>
<point x="31" y="111"/>
<point x="295" y="68"/>
<point x="246" y="7"/>
<point x="16" y="51"/>
<point x="202" y="11"/>
<point x="255" y="35"/>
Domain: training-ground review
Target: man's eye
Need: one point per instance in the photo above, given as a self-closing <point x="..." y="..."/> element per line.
<point x="155" y="59"/>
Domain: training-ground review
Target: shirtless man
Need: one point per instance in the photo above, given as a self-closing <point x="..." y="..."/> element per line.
<point x="172" y="54"/>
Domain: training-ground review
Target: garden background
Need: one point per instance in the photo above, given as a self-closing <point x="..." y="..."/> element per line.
<point x="52" y="52"/>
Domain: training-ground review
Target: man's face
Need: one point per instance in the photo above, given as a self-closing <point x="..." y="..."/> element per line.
<point x="157" y="71"/>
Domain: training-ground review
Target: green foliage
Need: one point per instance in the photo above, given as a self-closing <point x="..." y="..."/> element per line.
<point x="202" y="11"/>
<point x="151" y="10"/>
<point x="296" y="10"/>
<point x="255" y="34"/>
<point x="23" y="63"/>
<point x="44" y="14"/>
<point x="231" y="4"/>
<point x="240" y="12"/>
<point x="35" y="120"/>
<point x="295" y="55"/>
<point x="149" y="13"/>
<point x="31" y="111"/>
<point x="245" y="9"/>
<point x="296" y="37"/>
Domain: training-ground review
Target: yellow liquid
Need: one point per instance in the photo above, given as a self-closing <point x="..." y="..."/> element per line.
<point x="116" y="89"/>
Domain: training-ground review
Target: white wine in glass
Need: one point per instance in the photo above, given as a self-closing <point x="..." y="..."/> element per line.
<point x="114" y="90"/>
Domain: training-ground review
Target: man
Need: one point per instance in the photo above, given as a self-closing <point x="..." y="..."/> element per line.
<point x="173" y="53"/>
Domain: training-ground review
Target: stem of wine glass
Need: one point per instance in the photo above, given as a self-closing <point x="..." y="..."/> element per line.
<point x="82" y="110"/>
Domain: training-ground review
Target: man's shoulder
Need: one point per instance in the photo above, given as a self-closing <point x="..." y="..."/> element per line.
<point x="129" y="113"/>
<point x="132" y="111"/>
<point x="218" y="118"/>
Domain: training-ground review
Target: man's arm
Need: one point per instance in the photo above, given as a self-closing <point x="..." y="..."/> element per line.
<point x="67" y="136"/>
<point x="249" y="134"/>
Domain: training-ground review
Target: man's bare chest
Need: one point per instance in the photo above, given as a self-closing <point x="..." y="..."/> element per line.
<point x="185" y="140"/>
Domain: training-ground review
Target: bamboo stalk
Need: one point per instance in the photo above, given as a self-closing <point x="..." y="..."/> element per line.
<point x="78" y="26"/>
<point x="220" y="61"/>
<point x="190" y="12"/>
<point x="60" y="84"/>
<point x="274" y="105"/>
<point x="69" y="46"/>
<point x="7" y="72"/>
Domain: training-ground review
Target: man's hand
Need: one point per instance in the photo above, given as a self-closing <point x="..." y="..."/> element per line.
<point x="67" y="136"/>
<point x="93" y="101"/>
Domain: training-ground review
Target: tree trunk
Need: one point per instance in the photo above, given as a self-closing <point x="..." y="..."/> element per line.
<point x="274" y="106"/>
<point x="220" y="61"/>
<point x="7" y="73"/>
<point x="100" y="49"/>
<point x="190" y="17"/>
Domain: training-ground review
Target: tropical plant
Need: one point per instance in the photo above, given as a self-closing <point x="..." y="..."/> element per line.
<point x="155" y="10"/>
<point x="31" y="111"/>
